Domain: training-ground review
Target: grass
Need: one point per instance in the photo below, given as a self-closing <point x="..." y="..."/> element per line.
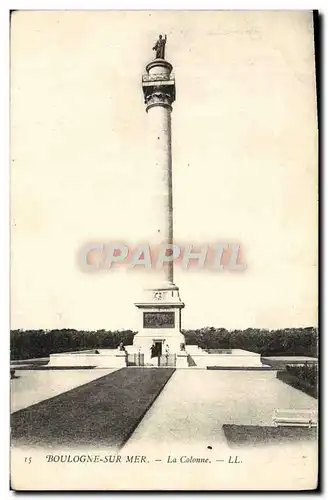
<point x="253" y="435"/>
<point x="103" y="412"/>
<point x="294" y="379"/>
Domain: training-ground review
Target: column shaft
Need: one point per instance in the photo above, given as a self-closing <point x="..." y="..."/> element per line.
<point x="161" y="160"/>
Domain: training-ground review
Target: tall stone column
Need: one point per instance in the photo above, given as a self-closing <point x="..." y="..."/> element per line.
<point x="160" y="318"/>
<point x="159" y="93"/>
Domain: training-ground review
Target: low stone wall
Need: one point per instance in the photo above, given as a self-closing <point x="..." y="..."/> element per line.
<point x="113" y="358"/>
<point x="235" y="357"/>
<point x="107" y="358"/>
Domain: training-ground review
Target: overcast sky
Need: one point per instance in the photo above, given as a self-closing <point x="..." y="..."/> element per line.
<point x="244" y="163"/>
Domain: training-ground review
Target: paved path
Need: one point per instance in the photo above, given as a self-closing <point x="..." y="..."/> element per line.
<point x="196" y="403"/>
<point x="186" y="421"/>
<point x="32" y="386"/>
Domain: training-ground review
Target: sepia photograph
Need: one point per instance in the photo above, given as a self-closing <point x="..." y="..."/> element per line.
<point x="164" y="250"/>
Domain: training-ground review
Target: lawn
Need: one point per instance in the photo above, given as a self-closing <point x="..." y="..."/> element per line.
<point x="304" y="378"/>
<point x="253" y="435"/>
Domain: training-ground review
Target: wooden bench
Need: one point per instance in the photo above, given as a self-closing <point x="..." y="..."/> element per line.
<point x="295" y="418"/>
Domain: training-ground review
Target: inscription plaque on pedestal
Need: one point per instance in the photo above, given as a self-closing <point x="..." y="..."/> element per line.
<point x="158" y="320"/>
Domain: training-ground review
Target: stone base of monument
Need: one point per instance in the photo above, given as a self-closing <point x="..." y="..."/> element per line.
<point x="168" y="344"/>
<point x="159" y="329"/>
<point x="99" y="358"/>
<point x="192" y="356"/>
<point x="228" y="358"/>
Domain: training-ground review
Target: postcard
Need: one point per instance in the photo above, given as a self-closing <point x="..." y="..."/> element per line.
<point x="164" y="240"/>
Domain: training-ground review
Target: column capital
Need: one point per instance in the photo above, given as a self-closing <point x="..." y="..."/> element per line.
<point x="158" y="84"/>
<point x="158" y="99"/>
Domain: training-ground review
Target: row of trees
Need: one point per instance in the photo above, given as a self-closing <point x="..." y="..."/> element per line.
<point x="288" y="341"/>
<point x="27" y="344"/>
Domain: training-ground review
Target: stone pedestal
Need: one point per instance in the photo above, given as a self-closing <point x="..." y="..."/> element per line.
<point x="160" y="321"/>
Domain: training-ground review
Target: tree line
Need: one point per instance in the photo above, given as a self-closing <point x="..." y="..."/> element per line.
<point x="287" y="341"/>
<point x="26" y="344"/>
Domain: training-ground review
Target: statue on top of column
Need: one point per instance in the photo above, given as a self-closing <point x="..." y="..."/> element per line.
<point x="160" y="47"/>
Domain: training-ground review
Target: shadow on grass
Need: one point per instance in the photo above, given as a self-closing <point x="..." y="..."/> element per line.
<point x="248" y="435"/>
<point x="295" y="381"/>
